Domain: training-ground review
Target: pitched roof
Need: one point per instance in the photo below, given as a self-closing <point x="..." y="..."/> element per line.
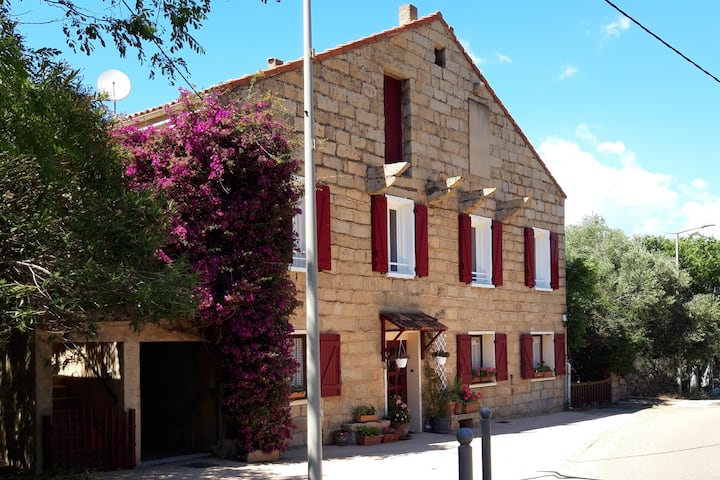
<point x="147" y="116"/>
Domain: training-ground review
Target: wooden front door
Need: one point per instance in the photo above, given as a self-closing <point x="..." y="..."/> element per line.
<point x="396" y="377"/>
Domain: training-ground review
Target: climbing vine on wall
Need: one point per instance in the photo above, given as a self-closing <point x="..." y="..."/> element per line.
<point x="224" y="170"/>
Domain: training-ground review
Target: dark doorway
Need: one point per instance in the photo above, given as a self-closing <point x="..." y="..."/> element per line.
<point x="169" y="395"/>
<point x="396" y="377"/>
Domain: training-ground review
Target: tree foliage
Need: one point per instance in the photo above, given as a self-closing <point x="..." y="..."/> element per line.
<point x="633" y="310"/>
<point x="76" y="244"/>
<point x="225" y="172"/>
<point x="156" y="30"/>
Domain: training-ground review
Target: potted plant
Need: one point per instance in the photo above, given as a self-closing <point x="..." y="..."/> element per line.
<point x="542" y="370"/>
<point x="483" y="374"/>
<point x="364" y="413"/>
<point x="390" y="435"/>
<point x="298" y="392"/>
<point x="441" y="356"/>
<point x="399" y="415"/>
<point x="401" y="359"/>
<point x="367" y="435"/>
<point x="470" y="399"/>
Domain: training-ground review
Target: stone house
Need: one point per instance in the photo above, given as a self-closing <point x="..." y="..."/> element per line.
<point x="440" y="228"/>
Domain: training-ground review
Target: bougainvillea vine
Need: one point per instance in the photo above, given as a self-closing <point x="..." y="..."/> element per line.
<point x="225" y="171"/>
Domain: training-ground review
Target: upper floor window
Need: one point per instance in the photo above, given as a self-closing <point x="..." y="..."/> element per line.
<point x="541" y="259"/>
<point x="324" y="253"/>
<point x="399" y="236"/>
<point x="480" y="244"/>
<point x="393" y="100"/>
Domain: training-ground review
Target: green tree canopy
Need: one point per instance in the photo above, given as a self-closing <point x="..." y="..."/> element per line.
<point x="76" y="244"/>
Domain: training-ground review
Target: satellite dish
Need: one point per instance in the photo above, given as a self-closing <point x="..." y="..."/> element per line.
<point x="115" y="84"/>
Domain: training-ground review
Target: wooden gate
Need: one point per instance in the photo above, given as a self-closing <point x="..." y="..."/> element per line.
<point x="83" y="439"/>
<point x="591" y="393"/>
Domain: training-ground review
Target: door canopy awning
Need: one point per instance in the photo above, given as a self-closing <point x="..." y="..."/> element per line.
<point x="401" y="322"/>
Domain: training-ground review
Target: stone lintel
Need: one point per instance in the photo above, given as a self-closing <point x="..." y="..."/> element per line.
<point x="382" y="177"/>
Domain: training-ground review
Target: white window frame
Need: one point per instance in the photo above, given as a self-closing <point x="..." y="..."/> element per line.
<point x="481" y="240"/>
<point x="401" y="237"/>
<point x="546" y="344"/>
<point x="299" y="260"/>
<point x="542" y="259"/>
<point x="487" y="339"/>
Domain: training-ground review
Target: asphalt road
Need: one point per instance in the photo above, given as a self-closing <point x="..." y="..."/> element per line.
<point x="678" y="440"/>
<point x="630" y="440"/>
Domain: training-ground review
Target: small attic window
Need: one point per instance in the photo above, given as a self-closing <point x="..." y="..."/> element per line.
<point x="440" y="57"/>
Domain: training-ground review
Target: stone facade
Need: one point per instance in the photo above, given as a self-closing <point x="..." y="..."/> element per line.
<point x="494" y="173"/>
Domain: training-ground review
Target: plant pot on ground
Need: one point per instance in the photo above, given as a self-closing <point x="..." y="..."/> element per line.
<point x="366" y="435"/>
<point x="364" y="413"/>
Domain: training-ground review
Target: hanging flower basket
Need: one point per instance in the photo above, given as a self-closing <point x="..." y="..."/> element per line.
<point x="440" y="360"/>
<point x="401" y="362"/>
<point x="401" y="359"/>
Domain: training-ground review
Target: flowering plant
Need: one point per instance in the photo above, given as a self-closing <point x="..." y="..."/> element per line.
<point x="483" y="372"/>
<point x="467" y="395"/>
<point x="398" y="411"/>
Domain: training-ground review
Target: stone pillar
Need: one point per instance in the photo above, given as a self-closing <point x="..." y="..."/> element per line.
<point x="131" y="387"/>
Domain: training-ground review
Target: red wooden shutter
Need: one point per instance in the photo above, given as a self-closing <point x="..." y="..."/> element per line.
<point x="501" y="367"/>
<point x="393" y="120"/>
<point x="497" y="248"/>
<point x="324" y="254"/>
<point x="560" y="354"/>
<point x="529" y="257"/>
<point x="554" y="261"/>
<point x="464" y="358"/>
<point x="421" y="240"/>
<point x="379" y="233"/>
<point x="329" y="365"/>
<point x="526" y="356"/>
<point x="464" y="248"/>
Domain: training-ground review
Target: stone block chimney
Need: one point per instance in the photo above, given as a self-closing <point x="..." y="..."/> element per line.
<point x="408" y="13"/>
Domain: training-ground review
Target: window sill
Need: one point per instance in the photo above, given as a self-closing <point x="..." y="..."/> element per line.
<point x="482" y="384"/>
<point x="542" y="379"/>
<point x="543" y="289"/>
<point x="297" y="269"/>
<point x="400" y="275"/>
<point x="482" y="285"/>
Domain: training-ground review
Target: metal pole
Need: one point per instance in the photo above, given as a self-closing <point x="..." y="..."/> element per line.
<point x="485" y="434"/>
<point x="465" y="457"/>
<point x="314" y="426"/>
<point x="677" y="250"/>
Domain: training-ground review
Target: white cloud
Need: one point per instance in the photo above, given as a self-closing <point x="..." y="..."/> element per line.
<point x="628" y="196"/>
<point x="615" y="28"/>
<point x="503" y="58"/>
<point x="475" y="58"/>
<point x="568" y="72"/>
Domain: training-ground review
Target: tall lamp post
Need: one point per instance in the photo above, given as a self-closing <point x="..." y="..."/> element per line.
<point x="677" y="240"/>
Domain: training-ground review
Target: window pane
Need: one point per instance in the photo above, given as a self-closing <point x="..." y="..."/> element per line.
<point x="477" y="352"/>
<point x="393" y="234"/>
<point x="537" y="350"/>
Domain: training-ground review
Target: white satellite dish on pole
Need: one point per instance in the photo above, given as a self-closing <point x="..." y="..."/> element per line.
<point x="115" y="84"/>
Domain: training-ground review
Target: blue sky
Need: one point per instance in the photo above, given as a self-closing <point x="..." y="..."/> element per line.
<point x="627" y="127"/>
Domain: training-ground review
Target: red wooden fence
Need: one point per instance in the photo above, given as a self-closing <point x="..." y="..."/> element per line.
<point x="81" y="438"/>
<point x="591" y="393"/>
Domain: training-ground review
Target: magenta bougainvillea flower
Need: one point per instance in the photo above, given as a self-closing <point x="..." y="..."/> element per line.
<point x="224" y="169"/>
